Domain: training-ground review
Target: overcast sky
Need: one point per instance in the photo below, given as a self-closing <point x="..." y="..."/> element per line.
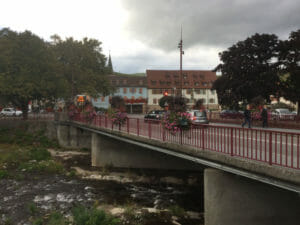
<point x="144" y="34"/>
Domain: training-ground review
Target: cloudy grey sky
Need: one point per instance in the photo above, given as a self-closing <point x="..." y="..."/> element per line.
<point x="144" y="34"/>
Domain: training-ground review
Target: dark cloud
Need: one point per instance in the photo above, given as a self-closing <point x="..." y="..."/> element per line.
<point x="215" y="23"/>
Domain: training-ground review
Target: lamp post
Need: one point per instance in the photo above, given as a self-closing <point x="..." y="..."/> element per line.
<point x="181" y="53"/>
<point x="174" y="96"/>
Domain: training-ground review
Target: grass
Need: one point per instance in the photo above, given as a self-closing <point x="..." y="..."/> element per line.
<point x="85" y="216"/>
<point x="22" y="137"/>
<point x="177" y="211"/>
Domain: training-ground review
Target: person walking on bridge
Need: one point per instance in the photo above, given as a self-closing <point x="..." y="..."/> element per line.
<point x="264" y="116"/>
<point x="247" y="115"/>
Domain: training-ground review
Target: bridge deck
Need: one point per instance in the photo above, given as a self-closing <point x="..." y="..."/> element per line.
<point x="268" y="146"/>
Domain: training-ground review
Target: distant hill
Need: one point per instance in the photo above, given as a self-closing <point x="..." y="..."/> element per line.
<point x="130" y="74"/>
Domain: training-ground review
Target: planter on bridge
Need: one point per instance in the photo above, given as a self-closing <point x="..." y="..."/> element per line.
<point x="176" y="121"/>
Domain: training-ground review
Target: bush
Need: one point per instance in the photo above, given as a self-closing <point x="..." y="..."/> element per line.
<point x="39" y="154"/>
<point x="85" y="216"/>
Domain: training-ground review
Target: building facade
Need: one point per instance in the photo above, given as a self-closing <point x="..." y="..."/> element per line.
<point x="133" y="89"/>
<point x="193" y="85"/>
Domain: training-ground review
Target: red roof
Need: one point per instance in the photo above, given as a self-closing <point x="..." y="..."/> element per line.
<point x="168" y="79"/>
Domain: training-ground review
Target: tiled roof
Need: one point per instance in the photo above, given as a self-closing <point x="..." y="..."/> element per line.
<point x="171" y="78"/>
<point x="128" y="81"/>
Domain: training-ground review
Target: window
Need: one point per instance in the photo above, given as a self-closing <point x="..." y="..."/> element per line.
<point x="184" y="76"/>
<point x="202" y="91"/>
<point x="117" y="81"/>
<point x="124" y="81"/>
<point x="154" y="101"/>
<point x="197" y="91"/>
<point x="132" y="90"/>
<point x="211" y="100"/>
<point x="212" y="92"/>
<point x="203" y="100"/>
<point x="186" y="83"/>
<point x="124" y="90"/>
<point x="196" y="83"/>
<point x="102" y="99"/>
<point x="188" y="91"/>
<point x="153" y="82"/>
<point x="140" y="82"/>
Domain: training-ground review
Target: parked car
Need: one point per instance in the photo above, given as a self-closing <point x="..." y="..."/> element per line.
<point x="231" y="114"/>
<point x="154" y="115"/>
<point x="198" y="117"/>
<point x="10" y="112"/>
<point x="283" y="114"/>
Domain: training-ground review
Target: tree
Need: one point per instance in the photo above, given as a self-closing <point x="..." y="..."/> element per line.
<point x="289" y="61"/>
<point x="109" y="66"/>
<point x="82" y="65"/>
<point x="248" y="70"/>
<point x="175" y="103"/>
<point x="26" y="69"/>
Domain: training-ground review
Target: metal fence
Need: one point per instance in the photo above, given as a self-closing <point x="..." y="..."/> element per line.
<point x="272" y="147"/>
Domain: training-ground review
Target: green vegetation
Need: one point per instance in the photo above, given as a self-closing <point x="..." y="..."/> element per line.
<point x="22" y="151"/>
<point x="132" y="74"/>
<point x="22" y="137"/>
<point x="32" y="68"/>
<point x="84" y="216"/>
<point x="259" y="66"/>
<point x="177" y="211"/>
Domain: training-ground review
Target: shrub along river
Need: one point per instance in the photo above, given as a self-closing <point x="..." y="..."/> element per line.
<point x="42" y="184"/>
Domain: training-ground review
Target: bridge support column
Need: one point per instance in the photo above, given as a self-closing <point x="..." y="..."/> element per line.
<point x="84" y="138"/>
<point x="74" y="137"/>
<point x="233" y="200"/>
<point x="63" y="135"/>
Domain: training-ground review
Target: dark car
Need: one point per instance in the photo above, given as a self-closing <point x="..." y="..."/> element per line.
<point x="231" y="114"/>
<point x="154" y="115"/>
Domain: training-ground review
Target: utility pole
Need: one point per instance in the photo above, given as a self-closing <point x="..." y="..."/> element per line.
<point x="181" y="53"/>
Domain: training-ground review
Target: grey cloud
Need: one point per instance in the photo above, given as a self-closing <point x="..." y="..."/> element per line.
<point x="218" y="23"/>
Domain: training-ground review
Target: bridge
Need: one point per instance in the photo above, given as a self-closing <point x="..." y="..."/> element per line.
<point x="251" y="176"/>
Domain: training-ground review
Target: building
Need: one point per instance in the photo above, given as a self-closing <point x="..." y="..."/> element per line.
<point x="194" y="84"/>
<point x="133" y="89"/>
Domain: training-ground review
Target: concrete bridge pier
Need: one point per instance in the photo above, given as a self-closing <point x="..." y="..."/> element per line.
<point x="234" y="200"/>
<point x="73" y="137"/>
<point x="120" y="154"/>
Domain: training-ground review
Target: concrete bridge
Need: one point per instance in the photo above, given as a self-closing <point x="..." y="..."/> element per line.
<point x="250" y="176"/>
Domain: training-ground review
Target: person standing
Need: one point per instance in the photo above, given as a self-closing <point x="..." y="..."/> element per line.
<point x="247" y="115"/>
<point x="264" y="116"/>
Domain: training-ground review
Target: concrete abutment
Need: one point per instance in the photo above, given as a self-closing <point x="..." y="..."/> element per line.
<point x="234" y="200"/>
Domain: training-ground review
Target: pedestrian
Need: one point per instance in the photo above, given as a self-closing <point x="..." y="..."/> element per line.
<point x="264" y="116"/>
<point x="247" y="117"/>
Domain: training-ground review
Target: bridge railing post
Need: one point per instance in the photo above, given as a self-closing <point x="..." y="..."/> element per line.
<point x="231" y="133"/>
<point x="149" y="129"/>
<point x="270" y="148"/>
<point x="105" y="121"/>
<point x="138" y="126"/>
<point x="128" y="125"/>
<point x="202" y="137"/>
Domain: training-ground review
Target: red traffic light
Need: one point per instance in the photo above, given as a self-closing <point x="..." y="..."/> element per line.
<point x="166" y="93"/>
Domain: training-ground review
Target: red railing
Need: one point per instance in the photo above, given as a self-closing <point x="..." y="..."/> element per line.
<point x="268" y="146"/>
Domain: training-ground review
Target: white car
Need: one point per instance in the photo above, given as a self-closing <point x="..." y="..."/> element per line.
<point x="283" y="114"/>
<point x="10" y="112"/>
